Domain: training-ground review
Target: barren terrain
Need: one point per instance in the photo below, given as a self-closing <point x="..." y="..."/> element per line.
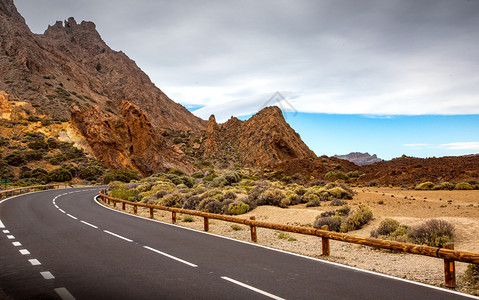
<point x="409" y="207"/>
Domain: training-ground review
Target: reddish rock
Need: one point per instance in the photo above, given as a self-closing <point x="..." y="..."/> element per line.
<point x="128" y="140"/>
<point x="262" y="141"/>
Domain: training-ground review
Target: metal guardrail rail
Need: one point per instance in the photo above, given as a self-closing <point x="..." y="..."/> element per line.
<point x="447" y="253"/>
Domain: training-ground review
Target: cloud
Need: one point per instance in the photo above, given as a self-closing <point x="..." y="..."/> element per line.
<point x="461" y="146"/>
<point x="355" y="57"/>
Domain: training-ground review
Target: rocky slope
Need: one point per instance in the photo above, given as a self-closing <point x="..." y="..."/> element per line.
<point x="359" y="158"/>
<point x="128" y="141"/>
<point x="262" y="141"/>
<point x="71" y="64"/>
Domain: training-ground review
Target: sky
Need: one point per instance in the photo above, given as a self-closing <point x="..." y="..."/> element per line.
<point x="386" y="77"/>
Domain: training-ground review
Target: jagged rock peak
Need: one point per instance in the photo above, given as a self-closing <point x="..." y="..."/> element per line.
<point x="8" y="8"/>
<point x="84" y="33"/>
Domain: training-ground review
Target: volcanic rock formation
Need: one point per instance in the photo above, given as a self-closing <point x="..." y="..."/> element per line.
<point x="262" y="141"/>
<point x="128" y="140"/>
<point x="359" y="158"/>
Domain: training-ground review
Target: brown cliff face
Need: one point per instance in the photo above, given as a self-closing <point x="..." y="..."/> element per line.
<point x="262" y="141"/>
<point x="128" y="140"/>
<point x="71" y="64"/>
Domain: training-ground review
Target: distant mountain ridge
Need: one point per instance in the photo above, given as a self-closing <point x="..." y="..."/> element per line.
<point x="360" y="159"/>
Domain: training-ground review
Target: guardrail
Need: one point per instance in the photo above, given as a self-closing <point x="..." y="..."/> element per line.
<point x="447" y="253"/>
<point x="21" y="190"/>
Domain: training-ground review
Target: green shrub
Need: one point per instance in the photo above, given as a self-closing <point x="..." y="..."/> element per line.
<point x="357" y="218"/>
<point x="472" y="275"/>
<point x="38" y="145"/>
<point x="58" y="159"/>
<point x="198" y="175"/>
<point x="225" y="179"/>
<point x="238" y="208"/>
<point x="120" y="175"/>
<point x="425" y="186"/>
<point x="444" y="186"/>
<point x="173" y="199"/>
<point x="176" y="171"/>
<point x="188" y="219"/>
<point x="333" y="222"/>
<point x="386" y="228"/>
<point x="33" y="155"/>
<point x="60" y="175"/>
<point x="463" y="186"/>
<point x="313" y="203"/>
<point x="120" y="190"/>
<point x="271" y="196"/>
<point x="334" y="175"/>
<point x="236" y="227"/>
<point x="90" y="172"/>
<point x="5" y="170"/>
<point x="215" y="207"/>
<point x="337" y="202"/>
<point x="15" y="159"/>
<point x="230" y="195"/>
<point x="433" y="233"/>
<point x="192" y="202"/>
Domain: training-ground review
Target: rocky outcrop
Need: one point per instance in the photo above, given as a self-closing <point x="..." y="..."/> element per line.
<point x="128" y="140"/>
<point x="360" y="159"/>
<point x="262" y="141"/>
<point x="14" y="110"/>
<point x="71" y="64"/>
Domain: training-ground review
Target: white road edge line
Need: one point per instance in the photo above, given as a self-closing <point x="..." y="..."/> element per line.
<point x="118" y="236"/>
<point x="73" y="217"/>
<point x="64" y="294"/>
<point x="24" y="252"/>
<point x="171" y="256"/>
<point x="47" y="275"/>
<point x="34" y="262"/>
<point x="86" y="223"/>
<point x="252" y="288"/>
<point x="1" y="224"/>
<point x="294" y="254"/>
<point x="62" y="210"/>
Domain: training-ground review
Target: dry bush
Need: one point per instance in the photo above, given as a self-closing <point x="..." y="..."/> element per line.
<point x="425" y="186"/>
<point x="214" y="207"/>
<point x="271" y="196"/>
<point x="357" y="218"/>
<point x="386" y="228"/>
<point x="333" y="222"/>
<point x="238" y="208"/>
<point x="313" y="203"/>
<point x="337" y="202"/>
<point x="192" y="202"/>
<point x="433" y="233"/>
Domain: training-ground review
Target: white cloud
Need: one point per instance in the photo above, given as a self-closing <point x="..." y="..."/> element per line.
<point x="461" y="146"/>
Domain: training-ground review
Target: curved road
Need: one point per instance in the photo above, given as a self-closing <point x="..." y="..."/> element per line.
<point x="61" y="244"/>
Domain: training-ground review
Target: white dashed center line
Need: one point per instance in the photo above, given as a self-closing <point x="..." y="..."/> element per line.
<point x="24" y="252"/>
<point x="10" y="237"/>
<point x="16" y="244"/>
<point x="118" y="236"/>
<point x="1" y="224"/>
<point x="91" y="225"/>
<point x="72" y="217"/>
<point x="171" y="256"/>
<point x="64" y="294"/>
<point x="47" y="275"/>
<point x="252" y="288"/>
<point x="34" y="262"/>
<point x="6" y="231"/>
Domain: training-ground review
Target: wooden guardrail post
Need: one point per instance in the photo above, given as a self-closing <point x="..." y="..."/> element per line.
<point x="173" y="217"/>
<point x="325" y="242"/>
<point x="135" y="209"/>
<point x="206" y="222"/>
<point x="114" y="203"/>
<point x="123" y="205"/>
<point x="449" y="269"/>
<point x="151" y="212"/>
<point x="254" y="237"/>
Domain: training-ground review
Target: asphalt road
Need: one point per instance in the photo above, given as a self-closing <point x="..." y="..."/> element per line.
<point x="61" y="244"/>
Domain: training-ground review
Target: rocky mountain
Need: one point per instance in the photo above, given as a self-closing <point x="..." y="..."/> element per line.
<point x="128" y="141"/>
<point x="262" y="141"/>
<point x="359" y="158"/>
<point x="412" y="170"/>
<point x="71" y="64"/>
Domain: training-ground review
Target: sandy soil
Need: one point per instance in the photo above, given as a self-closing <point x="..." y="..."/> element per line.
<point x="409" y="207"/>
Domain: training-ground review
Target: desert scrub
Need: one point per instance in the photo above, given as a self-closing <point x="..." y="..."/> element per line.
<point x="444" y="186"/>
<point x="192" y="202"/>
<point x="272" y="196"/>
<point x="425" y="186"/>
<point x="472" y="275"/>
<point x="238" y="208"/>
<point x="463" y="186"/>
<point x="433" y="233"/>
<point x="236" y="227"/>
<point x="174" y="199"/>
<point x="226" y="179"/>
<point x="188" y="219"/>
<point x="337" y="202"/>
<point x="120" y="190"/>
<point x="386" y="228"/>
<point x="357" y="218"/>
<point x="333" y="222"/>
